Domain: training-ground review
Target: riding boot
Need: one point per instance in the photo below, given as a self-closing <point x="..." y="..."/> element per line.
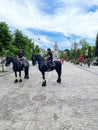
<point x="48" y="68"/>
<point x="22" y="66"/>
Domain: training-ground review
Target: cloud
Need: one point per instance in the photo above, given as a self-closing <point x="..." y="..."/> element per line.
<point x="66" y="17"/>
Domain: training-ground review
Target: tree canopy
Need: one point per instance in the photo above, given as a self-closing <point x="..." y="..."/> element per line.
<point x="96" y="47"/>
<point x="5" y="38"/>
<point x="11" y="43"/>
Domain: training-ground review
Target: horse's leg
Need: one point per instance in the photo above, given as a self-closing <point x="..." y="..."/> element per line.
<point x="44" y="81"/>
<point x="58" y="70"/>
<point x="20" y="80"/>
<point x="16" y="80"/>
<point x="27" y="72"/>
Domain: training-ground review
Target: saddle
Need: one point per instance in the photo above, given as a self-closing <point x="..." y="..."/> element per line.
<point x="50" y="65"/>
<point x="23" y="64"/>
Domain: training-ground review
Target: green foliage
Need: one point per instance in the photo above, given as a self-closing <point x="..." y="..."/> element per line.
<point x="67" y="54"/>
<point x="93" y="51"/>
<point x="10" y="44"/>
<point x="89" y="52"/>
<point x="37" y="49"/>
<point x="77" y="62"/>
<point x="84" y="45"/>
<point x="72" y="54"/>
<point x="5" y="38"/>
<point x="96" y="47"/>
<point x="21" y="41"/>
<point x="77" y="53"/>
<point x="62" y="55"/>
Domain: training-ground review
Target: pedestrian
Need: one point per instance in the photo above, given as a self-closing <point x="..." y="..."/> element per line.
<point x="88" y="62"/>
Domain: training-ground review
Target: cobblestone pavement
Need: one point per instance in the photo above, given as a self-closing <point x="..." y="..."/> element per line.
<point x="92" y="69"/>
<point x="71" y="105"/>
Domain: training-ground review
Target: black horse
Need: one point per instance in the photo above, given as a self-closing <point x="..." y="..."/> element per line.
<point x="44" y="68"/>
<point x="18" y="66"/>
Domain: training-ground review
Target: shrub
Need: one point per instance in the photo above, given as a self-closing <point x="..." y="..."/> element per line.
<point x="77" y="62"/>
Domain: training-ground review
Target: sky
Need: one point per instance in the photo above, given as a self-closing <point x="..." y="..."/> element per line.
<point x="50" y="21"/>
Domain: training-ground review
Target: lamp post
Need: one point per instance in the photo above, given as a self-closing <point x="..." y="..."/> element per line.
<point x="74" y="48"/>
<point x="73" y="45"/>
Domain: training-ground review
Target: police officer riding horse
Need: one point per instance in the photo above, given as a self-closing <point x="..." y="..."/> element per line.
<point x="49" y="59"/>
<point x="21" y="57"/>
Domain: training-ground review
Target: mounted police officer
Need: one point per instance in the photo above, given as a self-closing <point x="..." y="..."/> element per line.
<point x="21" y="57"/>
<point x="49" y="58"/>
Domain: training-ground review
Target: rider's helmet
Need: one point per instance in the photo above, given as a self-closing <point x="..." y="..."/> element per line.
<point x="49" y="49"/>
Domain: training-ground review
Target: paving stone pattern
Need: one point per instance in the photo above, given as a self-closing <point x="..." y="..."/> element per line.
<point x="71" y="105"/>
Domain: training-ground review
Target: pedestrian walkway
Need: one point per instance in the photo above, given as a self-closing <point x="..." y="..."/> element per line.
<point x="71" y="105"/>
<point x="7" y="70"/>
<point x="93" y="69"/>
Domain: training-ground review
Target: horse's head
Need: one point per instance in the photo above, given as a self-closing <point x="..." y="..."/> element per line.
<point x="33" y="58"/>
<point x="7" y="61"/>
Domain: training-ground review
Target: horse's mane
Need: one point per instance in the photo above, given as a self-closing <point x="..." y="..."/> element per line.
<point x="12" y="57"/>
<point x="39" y="56"/>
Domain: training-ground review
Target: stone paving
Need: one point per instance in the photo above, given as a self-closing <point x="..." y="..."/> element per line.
<point x="92" y="69"/>
<point x="71" y="105"/>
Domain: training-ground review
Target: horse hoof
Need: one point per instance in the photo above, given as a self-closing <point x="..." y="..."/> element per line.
<point x="59" y="81"/>
<point x="27" y="77"/>
<point x="43" y="84"/>
<point x="20" y="80"/>
<point x="16" y="81"/>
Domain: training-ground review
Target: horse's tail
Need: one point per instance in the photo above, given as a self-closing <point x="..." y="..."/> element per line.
<point x="60" y="68"/>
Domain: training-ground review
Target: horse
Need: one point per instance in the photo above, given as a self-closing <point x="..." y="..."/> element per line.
<point x="42" y="65"/>
<point x="18" y="66"/>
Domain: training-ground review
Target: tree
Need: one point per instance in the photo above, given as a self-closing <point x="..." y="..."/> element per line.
<point x="84" y="45"/>
<point x="62" y="55"/>
<point x="23" y="42"/>
<point x="77" y="54"/>
<point x="89" y="52"/>
<point x="5" y="40"/>
<point x="72" y="54"/>
<point x="28" y="47"/>
<point x="93" y="51"/>
<point x="96" y="47"/>
<point x="19" y="40"/>
<point x="37" y="49"/>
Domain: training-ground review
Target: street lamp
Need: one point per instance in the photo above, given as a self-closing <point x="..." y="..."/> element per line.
<point x="73" y="46"/>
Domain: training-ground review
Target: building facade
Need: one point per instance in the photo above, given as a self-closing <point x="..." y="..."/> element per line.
<point x="56" y="51"/>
